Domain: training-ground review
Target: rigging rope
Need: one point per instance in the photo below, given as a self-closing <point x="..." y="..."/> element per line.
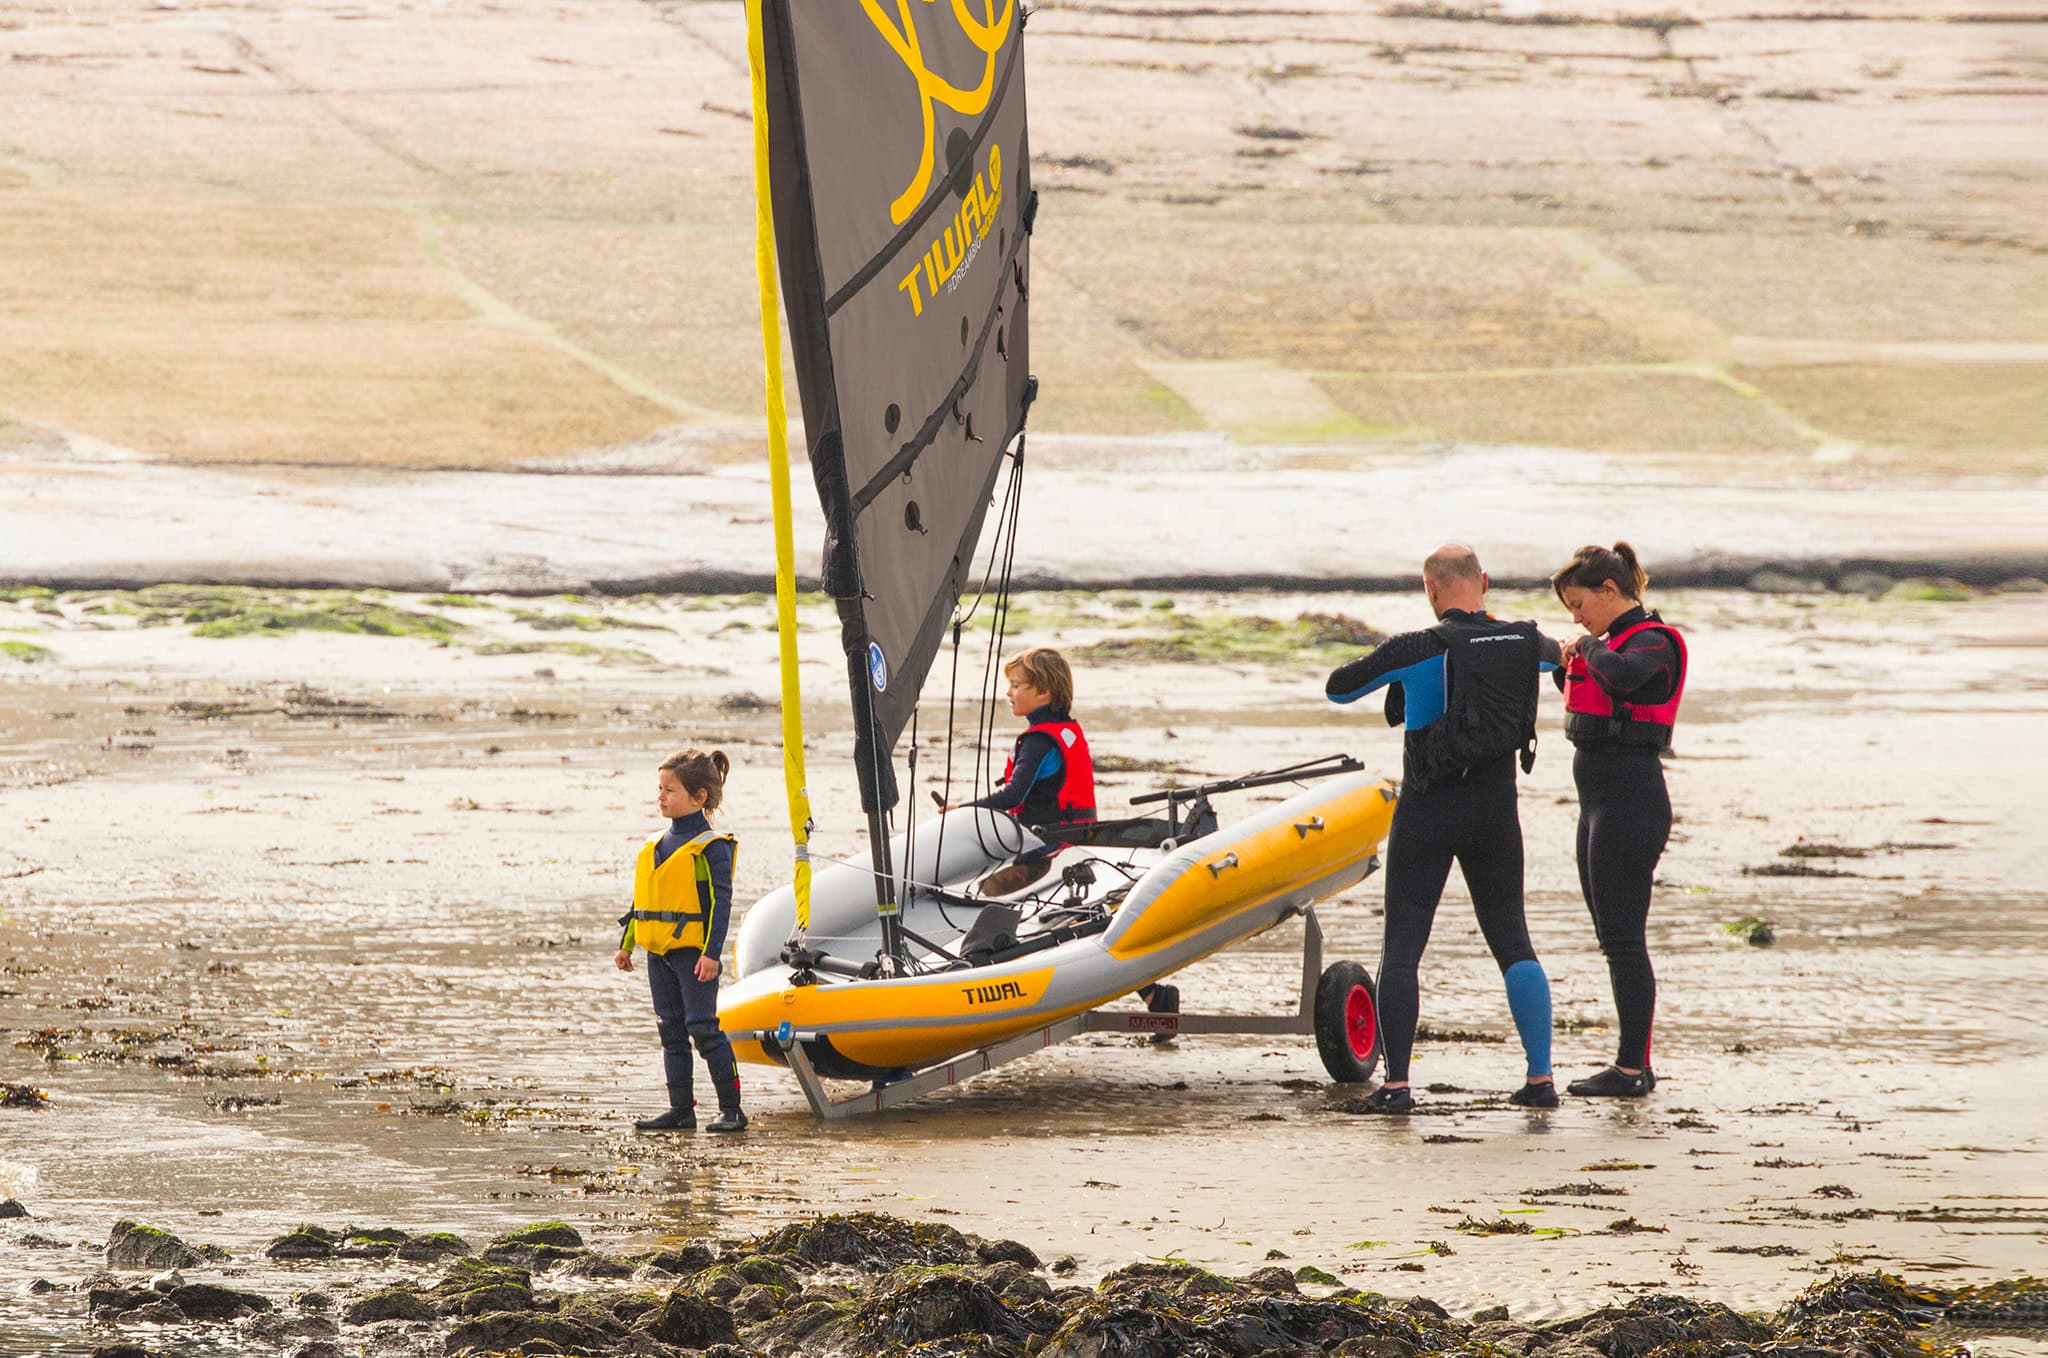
<point x="1002" y="549"/>
<point x="794" y="781"/>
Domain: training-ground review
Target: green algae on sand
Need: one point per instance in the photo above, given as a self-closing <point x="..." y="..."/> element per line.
<point x="1228" y="638"/>
<point x="239" y="611"/>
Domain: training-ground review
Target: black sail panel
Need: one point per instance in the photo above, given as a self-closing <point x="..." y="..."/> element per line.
<point x="900" y="165"/>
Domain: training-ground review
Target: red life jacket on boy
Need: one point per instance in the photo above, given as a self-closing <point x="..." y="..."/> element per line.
<point x="1077" y="780"/>
<point x="1592" y="716"/>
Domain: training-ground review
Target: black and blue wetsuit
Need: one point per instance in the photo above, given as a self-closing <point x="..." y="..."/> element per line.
<point x="1470" y="817"/>
<point x="1038" y="767"/>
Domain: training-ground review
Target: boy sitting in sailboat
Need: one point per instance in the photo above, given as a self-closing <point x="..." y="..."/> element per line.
<point x="1050" y="779"/>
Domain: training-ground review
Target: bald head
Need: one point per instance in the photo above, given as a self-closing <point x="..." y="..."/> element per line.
<point x="1452" y="561"/>
<point x="1452" y="579"/>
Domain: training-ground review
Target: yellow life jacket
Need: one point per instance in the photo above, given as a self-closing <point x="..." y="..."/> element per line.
<point x="668" y="906"/>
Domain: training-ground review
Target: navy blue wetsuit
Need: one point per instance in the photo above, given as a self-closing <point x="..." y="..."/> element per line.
<point x="1037" y="769"/>
<point x="1624" y="824"/>
<point x="685" y="1008"/>
<point x="1470" y="817"/>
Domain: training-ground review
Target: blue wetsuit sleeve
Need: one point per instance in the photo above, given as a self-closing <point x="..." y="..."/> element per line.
<point x="1385" y="665"/>
<point x="716" y="895"/>
<point x="1038" y="758"/>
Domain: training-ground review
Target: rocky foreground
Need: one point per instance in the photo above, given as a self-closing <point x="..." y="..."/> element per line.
<point x="878" y="1285"/>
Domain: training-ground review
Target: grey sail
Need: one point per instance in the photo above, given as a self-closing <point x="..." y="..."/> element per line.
<point x="901" y="177"/>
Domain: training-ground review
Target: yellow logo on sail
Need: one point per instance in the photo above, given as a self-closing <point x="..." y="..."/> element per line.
<point x="953" y="249"/>
<point x="988" y="34"/>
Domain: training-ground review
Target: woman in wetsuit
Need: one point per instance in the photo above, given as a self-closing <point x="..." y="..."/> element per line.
<point x="1622" y="683"/>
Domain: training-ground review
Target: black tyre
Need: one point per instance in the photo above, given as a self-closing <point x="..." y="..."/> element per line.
<point x="1348" y="1023"/>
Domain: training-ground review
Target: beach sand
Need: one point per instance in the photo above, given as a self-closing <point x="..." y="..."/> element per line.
<point x="318" y="927"/>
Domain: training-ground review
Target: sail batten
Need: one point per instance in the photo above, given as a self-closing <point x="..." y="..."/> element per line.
<point x="900" y="160"/>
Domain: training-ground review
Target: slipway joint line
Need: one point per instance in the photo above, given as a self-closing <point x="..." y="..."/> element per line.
<point x="495" y="310"/>
<point x="1826" y="446"/>
<point x="1699" y="369"/>
<point x="1601" y="272"/>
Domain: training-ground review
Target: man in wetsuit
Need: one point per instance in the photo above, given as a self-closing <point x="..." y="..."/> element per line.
<point x="1466" y="690"/>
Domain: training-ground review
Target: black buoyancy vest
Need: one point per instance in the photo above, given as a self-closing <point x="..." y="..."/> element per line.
<point x="1490" y="690"/>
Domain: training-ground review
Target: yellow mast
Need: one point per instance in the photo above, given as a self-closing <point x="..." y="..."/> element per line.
<point x="778" y="480"/>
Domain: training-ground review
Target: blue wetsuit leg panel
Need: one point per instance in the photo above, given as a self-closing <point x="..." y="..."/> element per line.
<point x="1529" y="1001"/>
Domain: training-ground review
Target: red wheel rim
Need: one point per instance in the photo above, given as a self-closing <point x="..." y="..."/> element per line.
<point x="1361" y="1024"/>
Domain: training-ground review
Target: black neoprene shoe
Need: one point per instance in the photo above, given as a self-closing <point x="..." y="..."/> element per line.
<point x="1535" y="1095"/>
<point x="728" y="1120"/>
<point x="1389" y="1099"/>
<point x="674" y="1120"/>
<point x="1612" y="1083"/>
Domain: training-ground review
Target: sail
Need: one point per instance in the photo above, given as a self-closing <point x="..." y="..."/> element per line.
<point x="901" y="174"/>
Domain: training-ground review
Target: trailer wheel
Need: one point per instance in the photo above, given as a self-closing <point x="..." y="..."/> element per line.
<point x="1348" y="1023"/>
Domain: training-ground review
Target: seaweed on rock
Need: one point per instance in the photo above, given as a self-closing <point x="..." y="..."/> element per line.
<point x="869" y="1240"/>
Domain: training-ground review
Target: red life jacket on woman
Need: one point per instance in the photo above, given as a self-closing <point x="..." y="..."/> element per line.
<point x="1593" y="716"/>
<point x="1077" y="768"/>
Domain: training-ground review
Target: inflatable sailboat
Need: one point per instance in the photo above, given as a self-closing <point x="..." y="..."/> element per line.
<point x="894" y="198"/>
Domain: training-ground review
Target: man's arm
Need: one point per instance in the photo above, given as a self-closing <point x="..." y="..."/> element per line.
<point x="1354" y="679"/>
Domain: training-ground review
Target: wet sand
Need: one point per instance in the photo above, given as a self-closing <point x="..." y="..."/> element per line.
<point x="317" y="927"/>
<point x="1183" y="511"/>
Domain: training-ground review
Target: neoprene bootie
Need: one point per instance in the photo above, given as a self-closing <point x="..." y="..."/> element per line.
<point x="1390" y="1099"/>
<point x="1535" y="1094"/>
<point x="1613" y="1083"/>
<point x="730" y="1118"/>
<point x="680" y="1117"/>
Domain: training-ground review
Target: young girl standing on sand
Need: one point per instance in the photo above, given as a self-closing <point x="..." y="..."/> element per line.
<point x="682" y="902"/>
